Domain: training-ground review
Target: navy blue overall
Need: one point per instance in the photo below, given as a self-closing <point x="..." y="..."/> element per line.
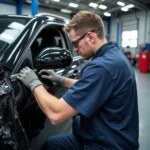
<point x="106" y="98"/>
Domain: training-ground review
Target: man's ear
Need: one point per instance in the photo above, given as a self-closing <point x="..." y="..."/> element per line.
<point x="91" y="38"/>
<point x="88" y="38"/>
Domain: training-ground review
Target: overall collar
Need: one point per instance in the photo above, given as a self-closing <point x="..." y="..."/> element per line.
<point x="102" y="49"/>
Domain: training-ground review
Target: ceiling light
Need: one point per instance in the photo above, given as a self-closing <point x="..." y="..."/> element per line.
<point x="124" y="9"/>
<point x="66" y="11"/>
<point x="107" y="14"/>
<point x="47" y="1"/>
<point x="94" y="5"/>
<point x="28" y="1"/>
<point x="102" y="7"/>
<point x="129" y="6"/>
<point x="73" y="5"/>
<point x="55" y="0"/>
<point x="120" y="3"/>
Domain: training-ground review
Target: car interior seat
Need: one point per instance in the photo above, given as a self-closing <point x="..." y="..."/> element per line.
<point x="60" y="43"/>
<point x="48" y="40"/>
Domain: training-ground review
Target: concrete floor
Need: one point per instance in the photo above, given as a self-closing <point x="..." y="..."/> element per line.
<point x="143" y="87"/>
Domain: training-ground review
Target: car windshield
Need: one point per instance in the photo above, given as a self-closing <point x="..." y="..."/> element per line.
<point x="9" y="30"/>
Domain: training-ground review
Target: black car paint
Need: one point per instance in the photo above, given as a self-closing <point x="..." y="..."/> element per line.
<point x="17" y="56"/>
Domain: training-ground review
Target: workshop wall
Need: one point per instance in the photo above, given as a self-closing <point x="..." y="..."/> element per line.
<point x="7" y="9"/>
<point x="26" y="10"/>
<point x="139" y="21"/>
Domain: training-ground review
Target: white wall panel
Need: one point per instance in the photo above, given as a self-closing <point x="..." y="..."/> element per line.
<point x="148" y="28"/>
<point x="113" y="29"/>
<point x="106" y="28"/>
<point x="129" y="25"/>
<point x="7" y="9"/>
<point x="142" y="30"/>
<point x="26" y="10"/>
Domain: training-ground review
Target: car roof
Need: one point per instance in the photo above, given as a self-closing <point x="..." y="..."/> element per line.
<point x="50" y="17"/>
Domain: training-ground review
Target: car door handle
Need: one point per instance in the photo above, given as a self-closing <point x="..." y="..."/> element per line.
<point x="76" y="74"/>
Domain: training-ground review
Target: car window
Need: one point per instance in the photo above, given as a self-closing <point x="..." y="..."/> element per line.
<point x="74" y="52"/>
<point x="48" y="37"/>
<point x="9" y="30"/>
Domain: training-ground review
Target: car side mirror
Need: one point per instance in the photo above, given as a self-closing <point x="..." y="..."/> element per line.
<point x="53" y="58"/>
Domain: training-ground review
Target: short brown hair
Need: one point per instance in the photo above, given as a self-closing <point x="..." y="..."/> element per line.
<point x="85" y="21"/>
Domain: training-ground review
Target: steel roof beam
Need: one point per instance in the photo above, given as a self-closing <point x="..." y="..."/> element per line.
<point x="137" y="4"/>
<point x="80" y="7"/>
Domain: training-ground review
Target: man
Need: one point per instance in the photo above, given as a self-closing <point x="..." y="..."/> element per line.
<point x="105" y="97"/>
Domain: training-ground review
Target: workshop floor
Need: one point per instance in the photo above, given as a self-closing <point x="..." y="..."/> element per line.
<point x="143" y="87"/>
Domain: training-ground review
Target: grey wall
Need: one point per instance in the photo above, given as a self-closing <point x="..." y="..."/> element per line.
<point x="26" y="10"/>
<point x="7" y="9"/>
<point x="143" y="25"/>
<point x="113" y="35"/>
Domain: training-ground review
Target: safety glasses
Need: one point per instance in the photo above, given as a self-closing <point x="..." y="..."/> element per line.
<point x="76" y="42"/>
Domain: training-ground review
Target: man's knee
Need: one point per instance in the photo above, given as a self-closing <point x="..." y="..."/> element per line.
<point x="76" y="127"/>
<point x="49" y="143"/>
<point x="76" y="123"/>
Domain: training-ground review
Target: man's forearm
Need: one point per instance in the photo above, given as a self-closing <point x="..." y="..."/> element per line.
<point x="55" y="109"/>
<point x="69" y="82"/>
<point x="46" y="101"/>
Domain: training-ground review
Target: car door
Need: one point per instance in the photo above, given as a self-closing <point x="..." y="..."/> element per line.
<point x="53" y="36"/>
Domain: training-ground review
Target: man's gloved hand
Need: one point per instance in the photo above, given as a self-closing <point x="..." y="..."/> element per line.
<point x="52" y="76"/>
<point x="28" y="77"/>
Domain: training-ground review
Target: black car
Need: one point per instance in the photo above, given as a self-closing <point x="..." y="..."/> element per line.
<point x="38" y="42"/>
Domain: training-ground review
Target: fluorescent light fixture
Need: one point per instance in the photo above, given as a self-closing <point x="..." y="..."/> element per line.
<point x="94" y="5"/>
<point x="120" y="3"/>
<point x="47" y="1"/>
<point x="102" y="7"/>
<point x="124" y="9"/>
<point x="107" y="14"/>
<point x="73" y="5"/>
<point x="55" y="0"/>
<point x="66" y="11"/>
<point x="129" y="6"/>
